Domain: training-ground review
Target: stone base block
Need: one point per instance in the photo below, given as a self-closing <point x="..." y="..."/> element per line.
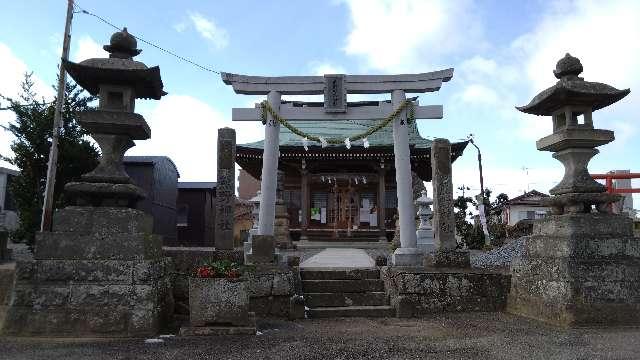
<point x="408" y="257"/>
<point x="100" y="273"/>
<point x="263" y="249"/>
<point x="219" y="302"/>
<point x="425" y="240"/>
<point x="419" y="291"/>
<point x="67" y="309"/>
<point x="449" y="259"/>
<point x="576" y="270"/>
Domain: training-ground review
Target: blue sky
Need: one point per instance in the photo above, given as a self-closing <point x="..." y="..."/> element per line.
<point x="503" y="53"/>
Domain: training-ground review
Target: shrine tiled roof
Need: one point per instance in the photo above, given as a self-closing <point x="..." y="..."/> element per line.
<point x="342" y="129"/>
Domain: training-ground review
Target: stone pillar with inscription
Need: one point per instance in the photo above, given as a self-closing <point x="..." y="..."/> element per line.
<point x="444" y="226"/>
<point x="225" y="189"/>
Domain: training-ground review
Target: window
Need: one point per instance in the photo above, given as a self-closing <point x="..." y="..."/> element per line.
<point x="182" y="216"/>
<point x="115" y="100"/>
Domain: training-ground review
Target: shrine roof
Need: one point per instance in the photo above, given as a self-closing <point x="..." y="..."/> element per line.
<point x="342" y="129"/>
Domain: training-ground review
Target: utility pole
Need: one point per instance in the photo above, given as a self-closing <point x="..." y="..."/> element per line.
<point x="480" y="198"/>
<point x="47" y="206"/>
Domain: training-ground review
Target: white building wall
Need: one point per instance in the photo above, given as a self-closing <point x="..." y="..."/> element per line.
<point x="522" y="212"/>
<point x="626" y="205"/>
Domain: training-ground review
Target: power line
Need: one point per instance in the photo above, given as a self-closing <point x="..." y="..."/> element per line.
<point x="202" y="67"/>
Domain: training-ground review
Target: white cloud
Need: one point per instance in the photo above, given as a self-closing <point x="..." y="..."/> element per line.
<point x="180" y="27"/>
<point x="603" y="35"/>
<point x="191" y="143"/>
<point x="324" y="67"/>
<point x="209" y="30"/>
<point x="87" y="48"/>
<point x="512" y="181"/>
<point x="398" y="35"/>
<point x="479" y="94"/>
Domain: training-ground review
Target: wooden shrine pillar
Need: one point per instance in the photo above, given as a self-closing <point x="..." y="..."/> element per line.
<point x="304" y="202"/>
<point x="408" y="254"/>
<point x="268" y="180"/>
<point x="382" y="203"/>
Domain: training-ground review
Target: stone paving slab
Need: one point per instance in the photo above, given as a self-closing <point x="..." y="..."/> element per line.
<point x="339" y="258"/>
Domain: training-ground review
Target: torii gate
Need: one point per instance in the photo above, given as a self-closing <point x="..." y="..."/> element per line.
<point x="335" y="88"/>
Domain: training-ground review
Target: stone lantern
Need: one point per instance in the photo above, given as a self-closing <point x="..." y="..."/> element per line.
<point x="104" y="273"/>
<point x="117" y="81"/>
<point x="424" y="233"/>
<point x="576" y="267"/>
<point x="255" y="210"/>
<point x="573" y="142"/>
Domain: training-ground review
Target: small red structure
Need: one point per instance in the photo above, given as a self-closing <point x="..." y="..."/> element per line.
<point x="609" y="182"/>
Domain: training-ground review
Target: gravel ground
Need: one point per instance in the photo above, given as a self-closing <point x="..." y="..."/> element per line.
<point x="450" y="336"/>
<point x="500" y="257"/>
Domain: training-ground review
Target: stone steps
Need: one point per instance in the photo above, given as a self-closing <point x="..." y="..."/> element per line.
<point x="351" y="311"/>
<point x="342" y="286"/>
<point x="340" y="274"/>
<point x="314" y="300"/>
<point x="344" y="293"/>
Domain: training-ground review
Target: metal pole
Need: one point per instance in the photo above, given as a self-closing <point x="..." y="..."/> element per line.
<point x="47" y="206"/>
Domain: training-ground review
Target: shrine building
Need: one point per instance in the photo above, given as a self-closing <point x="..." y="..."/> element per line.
<point x="349" y="193"/>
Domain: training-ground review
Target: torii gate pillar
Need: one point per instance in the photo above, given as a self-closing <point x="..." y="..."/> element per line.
<point x="408" y="254"/>
<point x="268" y="180"/>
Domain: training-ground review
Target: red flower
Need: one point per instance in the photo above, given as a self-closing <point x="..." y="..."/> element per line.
<point x="205" y="272"/>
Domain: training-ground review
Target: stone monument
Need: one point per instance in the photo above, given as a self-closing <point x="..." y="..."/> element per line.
<point x="444" y="225"/>
<point x="225" y="189"/>
<point x="281" y="222"/>
<point x="581" y="265"/>
<point x="100" y="272"/>
<point x="425" y="229"/>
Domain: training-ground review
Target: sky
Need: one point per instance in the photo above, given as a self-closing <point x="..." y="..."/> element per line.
<point x="503" y="53"/>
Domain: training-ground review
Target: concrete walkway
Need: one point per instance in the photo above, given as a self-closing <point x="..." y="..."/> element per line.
<point x="339" y="258"/>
